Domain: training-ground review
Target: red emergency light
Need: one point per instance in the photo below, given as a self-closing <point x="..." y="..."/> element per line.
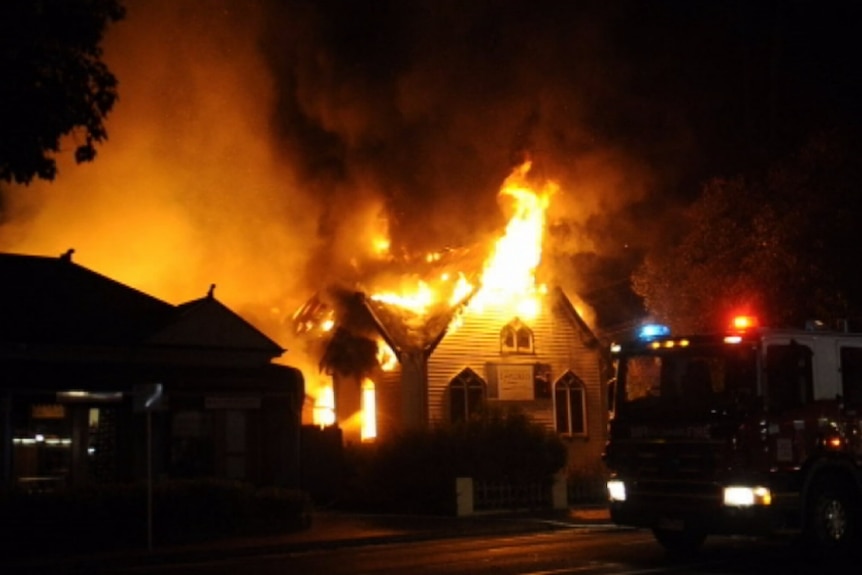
<point x="744" y="322"/>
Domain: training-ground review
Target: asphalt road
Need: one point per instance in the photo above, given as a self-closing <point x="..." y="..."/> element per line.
<point x="581" y="550"/>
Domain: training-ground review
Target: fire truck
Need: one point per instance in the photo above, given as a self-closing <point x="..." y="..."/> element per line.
<point x="752" y="431"/>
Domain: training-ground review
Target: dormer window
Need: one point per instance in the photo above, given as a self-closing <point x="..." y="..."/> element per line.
<point x="516" y="337"/>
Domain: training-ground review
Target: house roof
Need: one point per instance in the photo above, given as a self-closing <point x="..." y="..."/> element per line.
<point x="588" y="336"/>
<point x="209" y="323"/>
<point x="53" y="300"/>
<point x="404" y="331"/>
<point x="56" y="301"/>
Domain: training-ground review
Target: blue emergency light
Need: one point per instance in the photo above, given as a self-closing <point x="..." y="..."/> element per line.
<point x="651" y="331"/>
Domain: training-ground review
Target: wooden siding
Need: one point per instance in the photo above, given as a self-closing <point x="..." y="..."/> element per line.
<point x="558" y="342"/>
<point x="387" y="391"/>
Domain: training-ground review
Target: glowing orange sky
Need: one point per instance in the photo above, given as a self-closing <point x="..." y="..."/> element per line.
<point x="187" y="192"/>
<point x="194" y="187"/>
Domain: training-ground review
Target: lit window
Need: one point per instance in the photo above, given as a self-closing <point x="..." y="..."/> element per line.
<point x="369" y="411"/>
<point x="570" y="405"/>
<point x="466" y="395"/>
<point x="515" y="337"/>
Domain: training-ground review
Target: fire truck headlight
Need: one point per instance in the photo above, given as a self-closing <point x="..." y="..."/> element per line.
<point x="739" y="496"/>
<point x="616" y="490"/>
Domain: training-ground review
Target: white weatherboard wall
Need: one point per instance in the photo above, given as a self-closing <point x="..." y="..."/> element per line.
<point x="558" y="341"/>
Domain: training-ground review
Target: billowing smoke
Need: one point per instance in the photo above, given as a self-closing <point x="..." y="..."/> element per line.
<point x="429" y="105"/>
<point x="262" y="146"/>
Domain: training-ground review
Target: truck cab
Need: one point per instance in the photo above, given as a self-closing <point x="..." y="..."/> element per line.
<point x="752" y="431"/>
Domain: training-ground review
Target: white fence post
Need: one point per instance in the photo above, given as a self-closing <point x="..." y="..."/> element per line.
<point x="560" y="491"/>
<point x="464" y="496"/>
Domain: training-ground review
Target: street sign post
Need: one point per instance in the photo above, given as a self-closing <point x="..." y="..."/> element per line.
<point x="146" y="399"/>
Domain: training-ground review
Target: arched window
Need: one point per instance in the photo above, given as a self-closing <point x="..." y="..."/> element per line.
<point x="466" y="395"/>
<point x="570" y="406"/>
<point x="516" y="337"/>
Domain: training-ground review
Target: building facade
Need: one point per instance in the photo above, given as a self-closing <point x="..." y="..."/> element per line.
<point x="100" y="382"/>
<point x="551" y="367"/>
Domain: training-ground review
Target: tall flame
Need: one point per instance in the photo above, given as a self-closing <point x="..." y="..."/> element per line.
<point x="509" y="278"/>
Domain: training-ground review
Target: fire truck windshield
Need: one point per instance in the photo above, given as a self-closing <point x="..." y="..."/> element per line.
<point x="714" y="377"/>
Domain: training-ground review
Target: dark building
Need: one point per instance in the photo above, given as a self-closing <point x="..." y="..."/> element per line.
<point x="100" y="382"/>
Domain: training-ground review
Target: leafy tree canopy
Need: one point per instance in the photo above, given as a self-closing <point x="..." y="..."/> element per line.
<point x="777" y="244"/>
<point x="53" y="82"/>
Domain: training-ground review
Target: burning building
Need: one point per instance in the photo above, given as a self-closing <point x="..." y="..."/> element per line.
<point x="460" y="340"/>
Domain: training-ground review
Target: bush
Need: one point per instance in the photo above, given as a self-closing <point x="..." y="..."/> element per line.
<point x="415" y="471"/>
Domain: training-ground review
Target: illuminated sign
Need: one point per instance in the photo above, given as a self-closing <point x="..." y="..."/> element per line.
<point x="48" y="411"/>
<point x="515" y="382"/>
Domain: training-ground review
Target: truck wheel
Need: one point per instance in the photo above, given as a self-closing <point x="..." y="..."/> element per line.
<point x="683" y="542"/>
<point x="833" y="517"/>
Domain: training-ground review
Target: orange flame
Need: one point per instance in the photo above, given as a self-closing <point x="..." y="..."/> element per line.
<point x="385" y="356"/>
<point x="509" y="278"/>
<point x="418" y="299"/>
<point x="324" y="407"/>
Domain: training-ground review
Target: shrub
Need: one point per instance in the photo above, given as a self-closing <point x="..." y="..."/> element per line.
<point x="415" y="471"/>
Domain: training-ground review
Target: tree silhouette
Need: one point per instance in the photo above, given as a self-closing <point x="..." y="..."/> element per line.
<point x="53" y="82"/>
<point x="780" y="244"/>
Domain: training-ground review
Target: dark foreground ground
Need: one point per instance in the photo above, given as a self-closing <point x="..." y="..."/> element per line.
<point x="326" y="530"/>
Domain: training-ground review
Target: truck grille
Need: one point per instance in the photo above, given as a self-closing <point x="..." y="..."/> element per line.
<point x="695" y="461"/>
<point x="671" y="471"/>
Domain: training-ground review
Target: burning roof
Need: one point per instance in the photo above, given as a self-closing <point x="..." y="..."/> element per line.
<point x="414" y="302"/>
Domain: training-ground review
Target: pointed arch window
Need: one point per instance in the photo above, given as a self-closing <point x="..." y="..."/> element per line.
<point x="515" y="337"/>
<point x="570" y="406"/>
<point x="466" y="395"/>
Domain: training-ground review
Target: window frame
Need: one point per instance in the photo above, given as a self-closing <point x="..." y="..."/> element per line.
<point x="569" y="385"/>
<point x="517" y="331"/>
<point x="461" y="386"/>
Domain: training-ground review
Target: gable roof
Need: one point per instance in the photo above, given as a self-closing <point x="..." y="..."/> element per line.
<point x="54" y="300"/>
<point x="45" y="300"/>
<point x="588" y="336"/>
<point x="206" y="322"/>
<point x="404" y="331"/>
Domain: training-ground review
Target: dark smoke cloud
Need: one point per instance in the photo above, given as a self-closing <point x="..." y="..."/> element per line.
<point x="629" y="105"/>
<point x="431" y="104"/>
<point x="261" y="144"/>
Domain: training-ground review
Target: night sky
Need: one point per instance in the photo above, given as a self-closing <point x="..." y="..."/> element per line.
<point x="632" y="105"/>
<point x="260" y="131"/>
